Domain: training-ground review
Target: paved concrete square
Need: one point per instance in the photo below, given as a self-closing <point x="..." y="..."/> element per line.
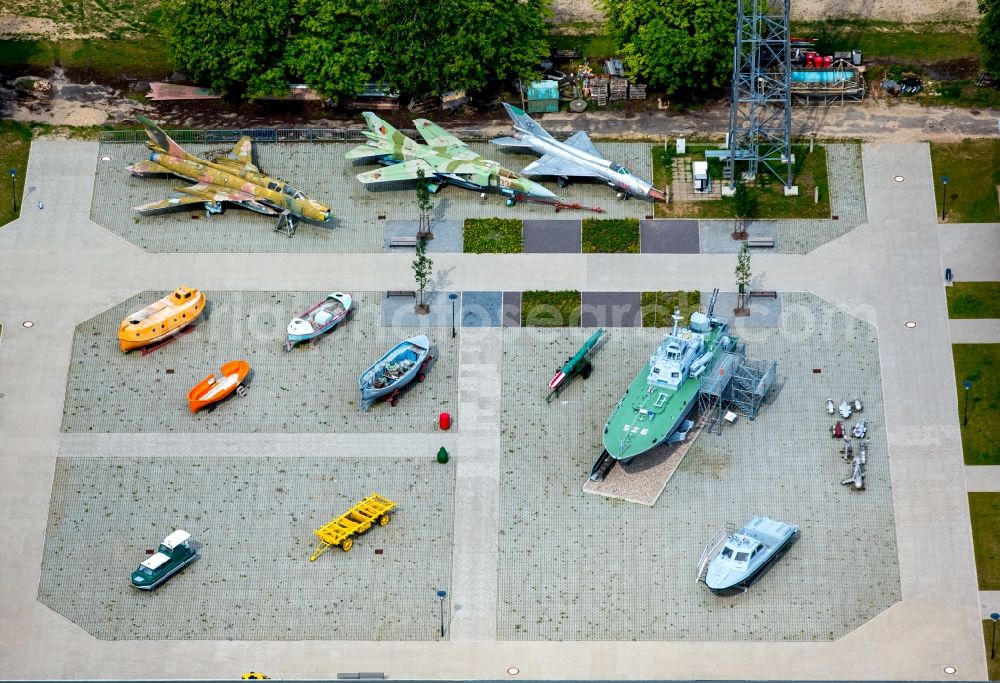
<point x="253" y="519"/>
<point x="320" y="170"/>
<point x="717" y="237"/>
<point x="598" y="569"/>
<point x="447" y="235"/>
<point x="668" y="236"/>
<point x="764" y="311"/>
<point x="611" y="309"/>
<point x="511" y="312"/>
<point x="481" y="309"/>
<point x="310" y="389"/>
<point x="552" y="237"/>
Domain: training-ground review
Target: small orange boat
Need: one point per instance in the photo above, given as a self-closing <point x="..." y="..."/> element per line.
<point x="211" y="390"/>
<point x="161" y="319"/>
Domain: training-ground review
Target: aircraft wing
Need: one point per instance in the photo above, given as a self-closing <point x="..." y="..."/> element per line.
<point x="395" y="172"/>
<point x="510" y="143"/>
<point x="581" y="141"/>
<point x="436" y="136"/>
<point x="551" y="165"/>
<point x="205" y="192"/>
<point x="241" y="156"/>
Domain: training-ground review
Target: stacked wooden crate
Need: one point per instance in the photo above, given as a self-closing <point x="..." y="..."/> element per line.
<point x="618" y="89"/>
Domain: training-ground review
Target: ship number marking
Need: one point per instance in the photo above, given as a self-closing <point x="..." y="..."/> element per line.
<point x="635" y="430"/>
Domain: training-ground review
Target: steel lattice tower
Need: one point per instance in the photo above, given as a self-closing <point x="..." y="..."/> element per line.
<point x="760" y="112"/>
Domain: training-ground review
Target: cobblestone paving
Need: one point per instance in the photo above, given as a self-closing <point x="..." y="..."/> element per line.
<point x="320" y="170"/>
<point x="579" y="567"/>
<point x="253" y="518"/>
<point x="847" y="202"/>
<point x="311" y="389"/>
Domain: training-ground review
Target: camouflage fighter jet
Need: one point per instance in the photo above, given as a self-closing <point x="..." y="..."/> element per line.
<point x="231" y="178"/>
<point x="444" y="159"/>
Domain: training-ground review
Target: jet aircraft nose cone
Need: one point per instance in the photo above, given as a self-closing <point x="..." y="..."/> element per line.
<point x="542" y="191"/>
<point x="656" y="195"/>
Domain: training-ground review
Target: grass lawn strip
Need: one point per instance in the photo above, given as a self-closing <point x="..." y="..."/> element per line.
<point x="143" y="58"/>
<point x="974" y="300"/>
<point x="984" y="509"/>
<point x="15" y="139"/>
<point x="493" y="236"/>
<point x="658" y="307"/>
<point x="611" y="236"/>
<point x="808" y="172"/>
<point x="992" y="665"/>
<point x="973" y="170"/>
<point x="979" y="363"/>
<point x="550" y="309"/>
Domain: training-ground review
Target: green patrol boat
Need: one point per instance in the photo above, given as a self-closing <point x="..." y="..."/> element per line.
<point x="654" y="409"/>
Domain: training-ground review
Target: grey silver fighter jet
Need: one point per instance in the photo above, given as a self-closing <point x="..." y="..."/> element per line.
<point x="576" y="157"/>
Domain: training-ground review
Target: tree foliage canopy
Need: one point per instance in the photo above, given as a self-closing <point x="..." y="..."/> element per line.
<point x="989" y="35"/>
<point x="247" y="49"/>
<point x="234" y="46"/>
<point x="683" y="46"/>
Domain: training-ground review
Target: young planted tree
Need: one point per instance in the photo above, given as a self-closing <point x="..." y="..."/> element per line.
<point x="743" y="279"/>
<point x="745" y="209"/>
<point x="422" y="266"/>
<point x="425" y="205"/>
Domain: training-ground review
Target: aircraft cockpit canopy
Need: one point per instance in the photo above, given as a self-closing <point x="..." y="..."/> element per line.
<point x="618" y="168"/>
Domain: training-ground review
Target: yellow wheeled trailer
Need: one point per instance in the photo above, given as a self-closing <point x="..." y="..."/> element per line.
<point x="357" y="520"/>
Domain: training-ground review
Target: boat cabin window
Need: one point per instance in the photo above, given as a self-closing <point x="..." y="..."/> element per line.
<point x="145" y="570"/>
<point x="675" y="375"/>
<point x="727" y="552"/>
<point x="742" y="557"/>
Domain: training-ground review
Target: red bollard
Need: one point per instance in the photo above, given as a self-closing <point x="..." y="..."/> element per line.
<point x="444" y="421"/>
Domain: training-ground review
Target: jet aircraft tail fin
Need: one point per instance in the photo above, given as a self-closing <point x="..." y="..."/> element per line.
<point x="381" y="130"/>
<point x="160" y="141"/>
<point x="525" y="122"/>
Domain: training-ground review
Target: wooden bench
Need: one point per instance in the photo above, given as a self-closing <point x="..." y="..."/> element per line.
<point x="763" y="294"/>
<point x="402" y="292"/>
<point x="762" y="242"/>
<point x="403" y="241"/>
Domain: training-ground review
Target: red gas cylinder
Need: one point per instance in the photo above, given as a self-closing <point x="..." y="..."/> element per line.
<point x="444" y="421"/>
<point x="827" y="61"/>
<point x="809" y="59"/>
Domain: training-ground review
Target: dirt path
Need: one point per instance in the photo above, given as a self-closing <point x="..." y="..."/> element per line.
<point x="870" y="121"/>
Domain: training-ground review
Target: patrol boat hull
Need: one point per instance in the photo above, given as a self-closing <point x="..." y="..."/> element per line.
<point x="653" y="408"/>
<point x="747" y="554"/>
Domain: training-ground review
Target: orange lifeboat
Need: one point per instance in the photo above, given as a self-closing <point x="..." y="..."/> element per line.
<point x="210" y="390"/>
<point x="161" y="319"/>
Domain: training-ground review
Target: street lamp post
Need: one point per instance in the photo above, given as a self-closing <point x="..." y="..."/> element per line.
<point x="993" y="646"/>
<point x="944" y="198"/>
<point x="442" y="594"/>
<point x="967" y="384"/>
<point x="453" y="297"/>
<point x="13" y="186"/>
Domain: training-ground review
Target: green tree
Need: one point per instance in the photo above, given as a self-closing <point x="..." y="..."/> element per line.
<point x="335" y="49"/>
<point x="682" y="46"/>
<point x="743" y="273"/>
<point x="989" y="35"/>
<point x="234" y="46"/>
<point x="435" y="47"/>
<point x="425" y="205"/>
<point x="422" y="267"/>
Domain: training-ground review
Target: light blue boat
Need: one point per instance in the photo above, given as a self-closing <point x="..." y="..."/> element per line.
<point x="743" y="554"/>
<point x="393" y="371"/>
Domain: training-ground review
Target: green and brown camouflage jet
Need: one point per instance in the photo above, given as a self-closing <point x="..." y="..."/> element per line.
<point x="231" y="178"/>
<point x="444" y="159"/>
